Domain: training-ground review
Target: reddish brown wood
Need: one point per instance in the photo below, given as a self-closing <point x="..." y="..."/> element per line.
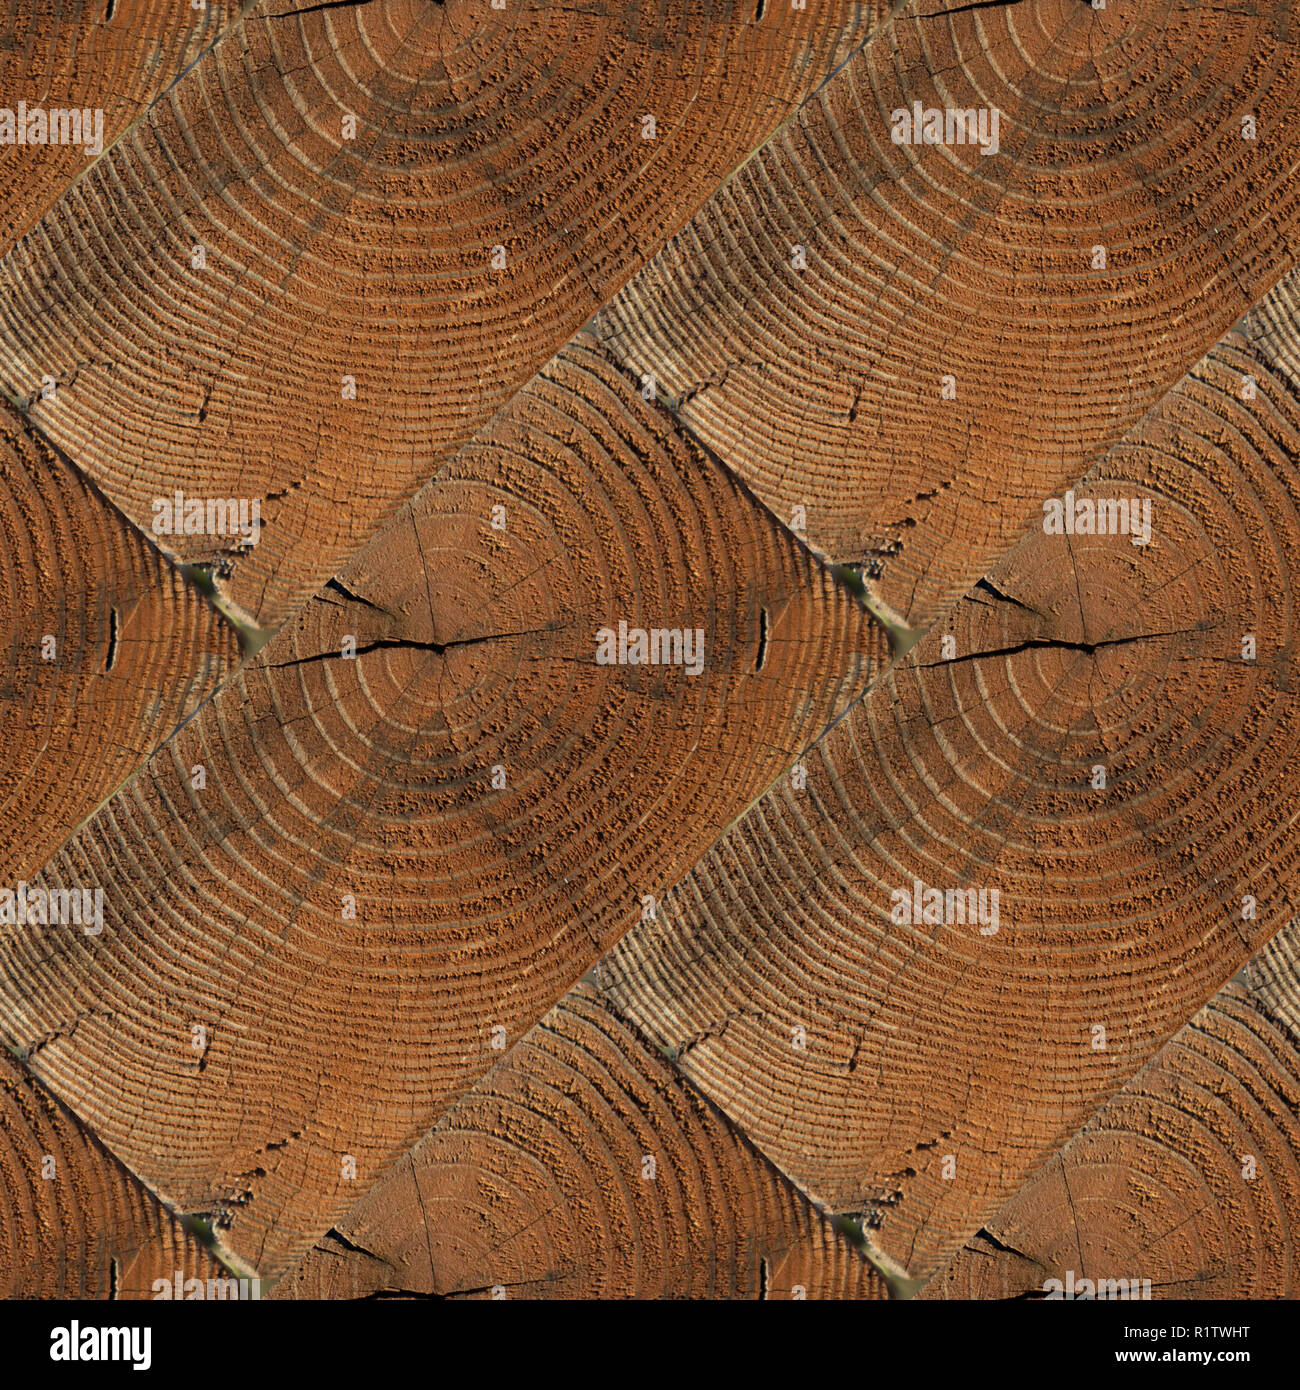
<point x="333" y="785"/>
<point x="74" y="1223"/>
<point x="109" y="649"/>
<point x="824" y="387"/>
<point x="940" y="1065"/>
<point x="244" y="257"/>
<point x="582" y="1167"/>
<point x="1186" y="1185"/>
<point x="64" y="55"/>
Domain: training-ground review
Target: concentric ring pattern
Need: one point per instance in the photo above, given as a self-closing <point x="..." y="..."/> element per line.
<point x="74" y="1222"/>
<point x="1094" y="738"/>
<point x="1187" y="1185"/>
<point x="913" y="343"/>
<point x="112" y="57"/>
<point x="582" y="1167"/>
<point x="108" y="648"/>
<point x="350" y="235"/>
<point x="419" y="815"/>
<point x="571" y="895"/>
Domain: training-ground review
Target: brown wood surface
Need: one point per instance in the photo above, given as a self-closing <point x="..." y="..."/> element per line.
<point x="426" y="929"/>
<point x="371" y="256"/>
<point x="823" y="387"/>
<point x="116" y="56"/>
<point x="74" y="1223"/>
<point x="475" y="907"/>
<point x="538" y="1185"/>
<point x="1188" y="1179"/>
<point x="109" y="649"/>
<point x="1120" y="907"/>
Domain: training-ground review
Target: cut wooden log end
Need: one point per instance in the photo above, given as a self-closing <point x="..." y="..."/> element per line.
<point x="73" y="78"/>
<point x="109" y="649"/>
<point x="582" y="1167"/>
<point x="868" y="329"/>
<point x="1273" y="976"/>
<point x="1037" y="846"/>
<point x="1185" y="1186"/>
<point x="74" y="1223"/>
<point x="429" y="804"/>
<point x="306" y="276"/>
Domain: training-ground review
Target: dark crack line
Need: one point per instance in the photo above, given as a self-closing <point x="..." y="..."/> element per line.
<point x="402" y="644"/>
<point x="988" y="587"/>
<point x="324" y="5"/>
<point x="340" y="588"/>
<point x="114" y="626"/>
<point x="65" y="1030"/>
<point x="712" y="383"/>
<point x="715" y="1030"/>
<point x="455" y="1293"/>
<point x="974" y="5"/>
<point x="1074" y="1216"/>
<point x="1078" y="587"/>
<point x="986" y="1235"/>
<point x="424" y="1221"/>
<point x="1061" y="645"/>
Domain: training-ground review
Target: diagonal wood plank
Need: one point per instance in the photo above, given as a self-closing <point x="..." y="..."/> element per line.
<point x="1273" y="977"/>
<point x="905" y="347"/>
<point x="1092" y="738"/>
<point x="352" y="782"/>
<point x="583" y="1167"/>
<point x="74" y="1222"/>
<point x="109" y="649"/>
<point x="351" y="233"/>
<point x="372" y="863"/>
<point x="1187" y="1183"/>
<point x="109" y="59"/>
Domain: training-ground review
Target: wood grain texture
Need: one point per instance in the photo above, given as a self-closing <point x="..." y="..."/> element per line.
<point x="338" y="258"/>
<point x="109" y="649"/>
<point x="582" y="1167"/>
<point x="114" y="57"/>
<point x="823" y="387"/>
<point x="476" y="906"/>
<point x="1122" y="906"/>
<point x="1273" y="977"/>
<point x="74" y="1223"/>
<point x="1189" y="1178"/>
